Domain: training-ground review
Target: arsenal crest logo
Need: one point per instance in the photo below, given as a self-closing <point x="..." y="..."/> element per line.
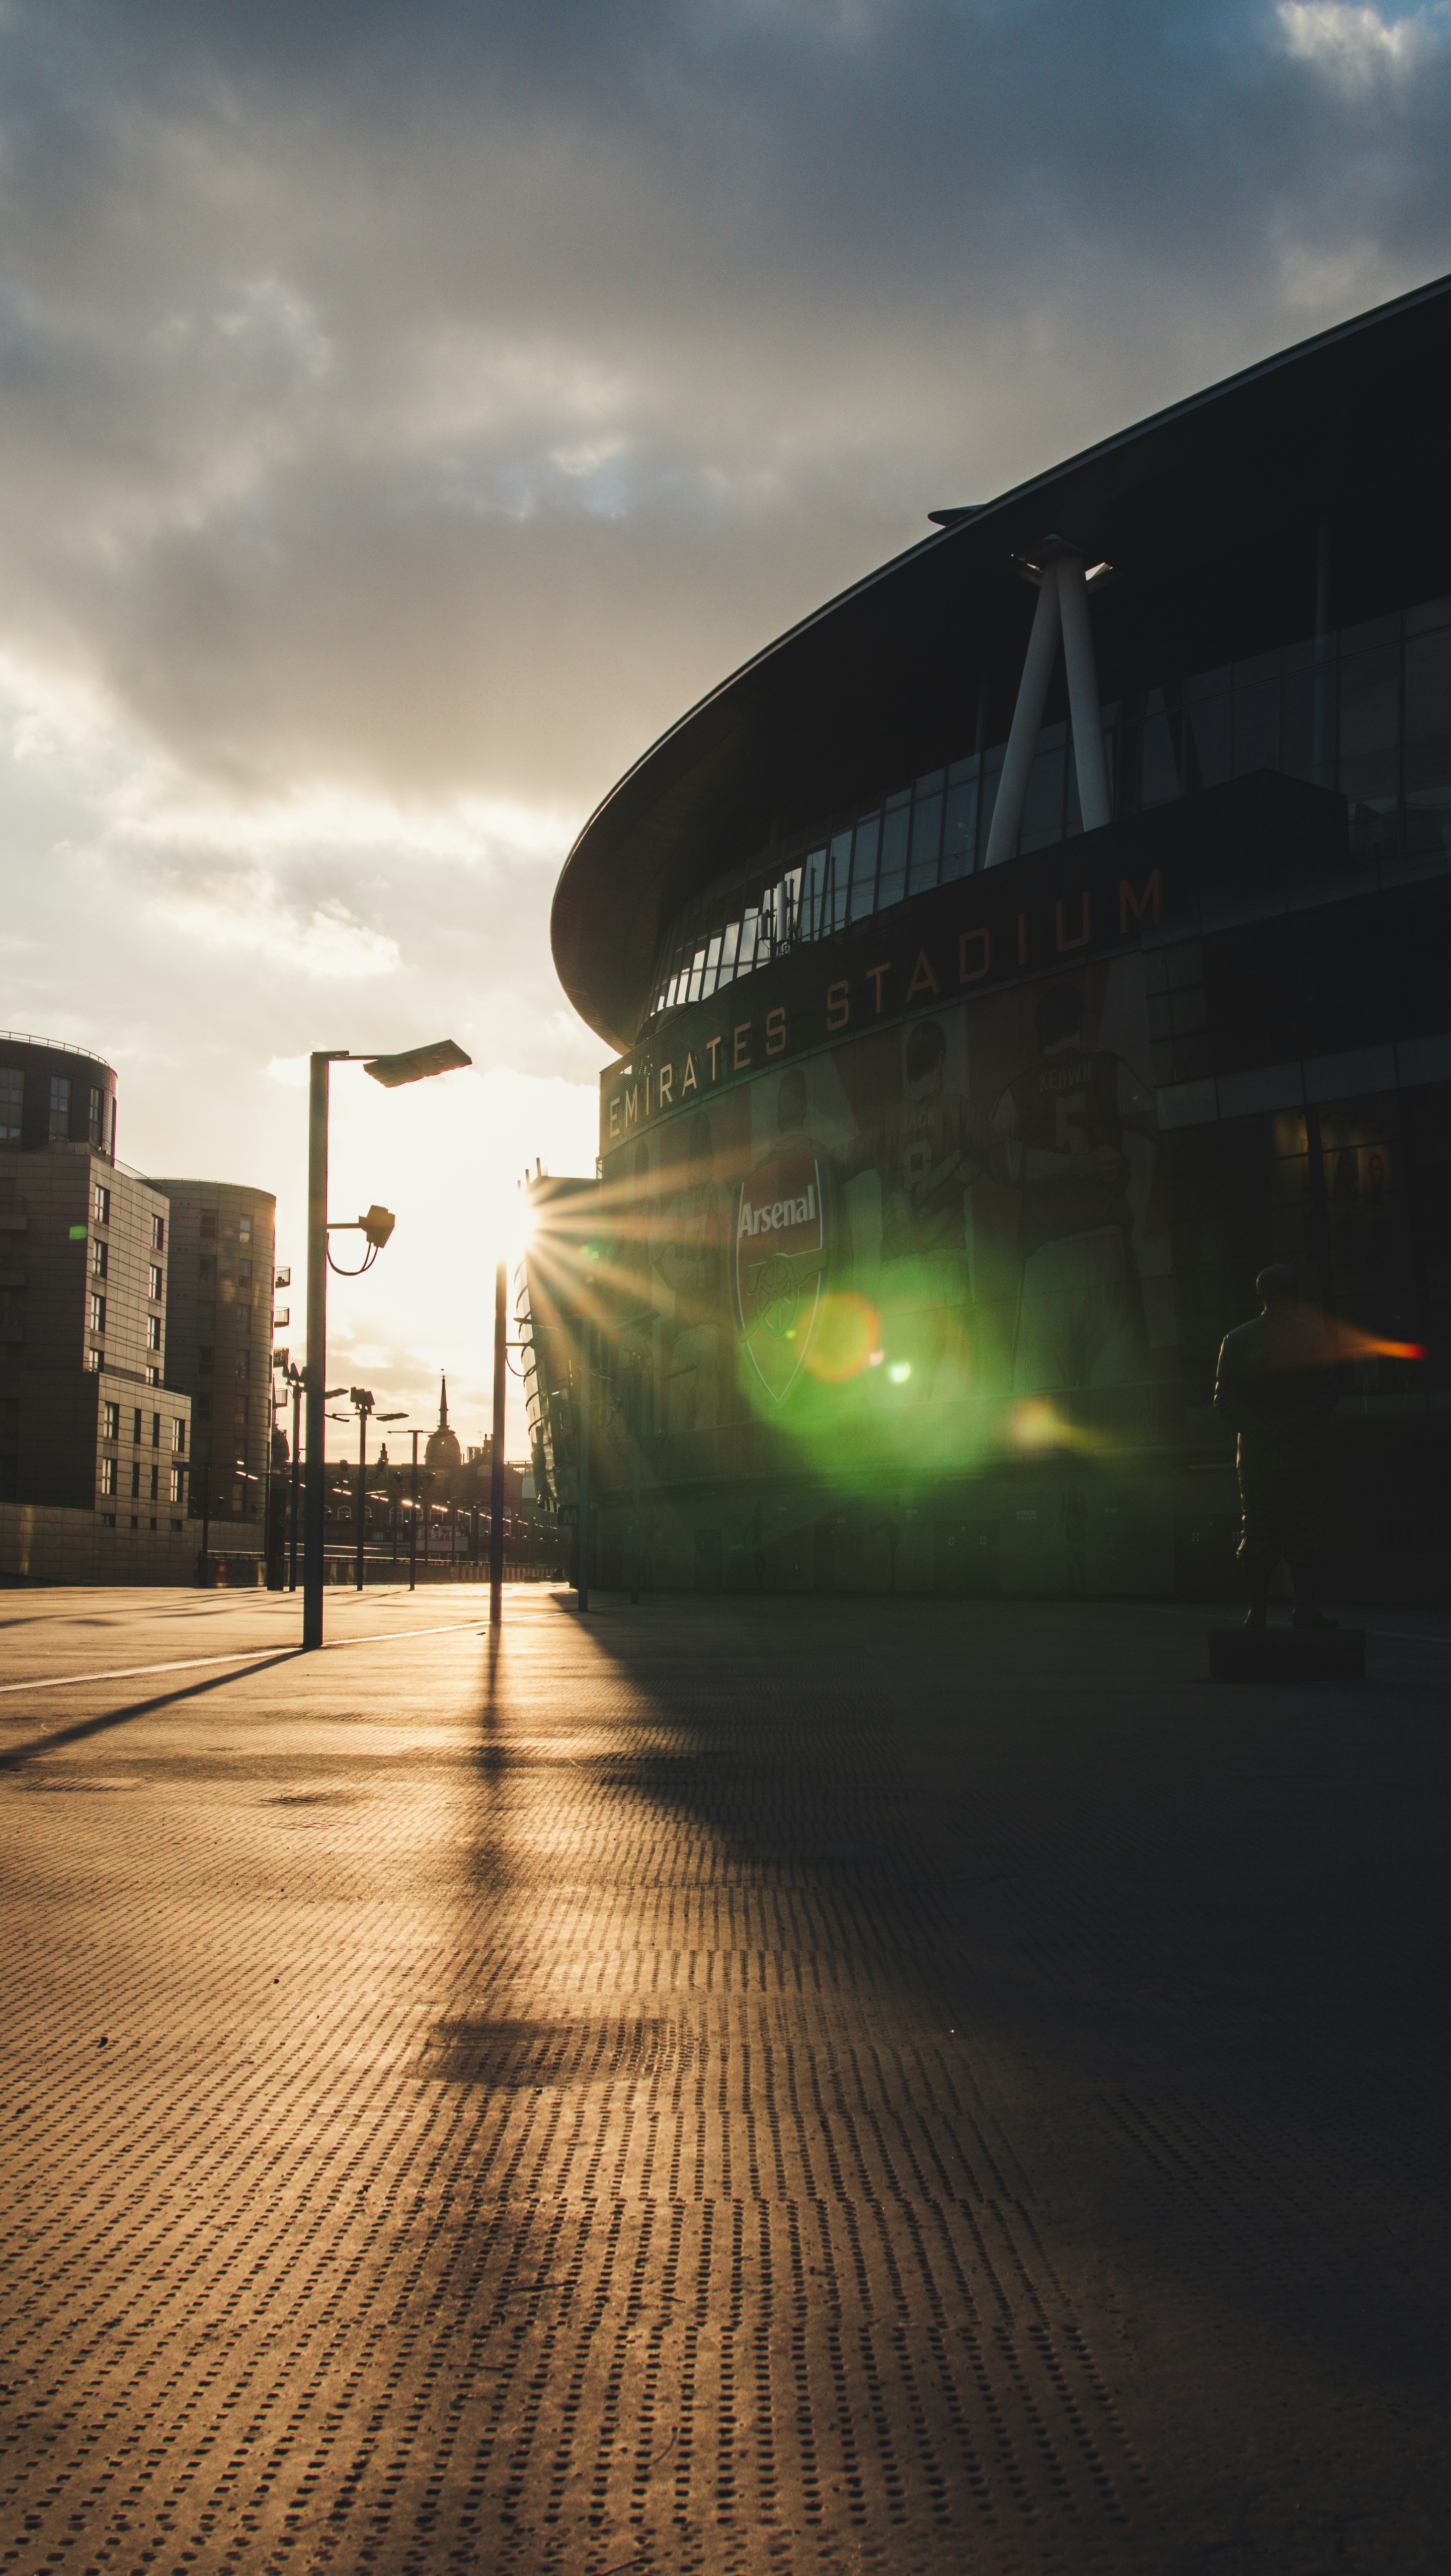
<point x="780" y="1264"/>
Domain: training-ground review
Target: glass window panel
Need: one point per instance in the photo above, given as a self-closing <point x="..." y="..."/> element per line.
<point x="1043" y="804"/>
<point x="729" y="949"/>
<point x="1428" y="688"/>
<point x="1159" y="768"/>
<point x="1369" y="702"/>
<point x="991" y="780"/>
<point x="1369" y="777"/>
<point x="959" y="828"/>
<point x="712" y="966"/>
<point x="932" y="784"/>
<point x="813" y="896"/>
<point x="838" y="880"/>
<point x="1206" y="726"/>
<point x="1431" y="613"/>
<point x="892" y="871"/>
<point x="1307" y="717"/>
<point x="926" y="841"/>
<point x="1382" y="631"/>
<point x="1208" y="684"/>
<point x="864" y="866"/>
<point x="1256" y="722"/>
<point x="1261" y="666"/>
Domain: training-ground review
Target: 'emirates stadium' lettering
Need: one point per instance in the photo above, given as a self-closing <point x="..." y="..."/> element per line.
<point x="949" y="964"/>
<point x="781" y="1213"/>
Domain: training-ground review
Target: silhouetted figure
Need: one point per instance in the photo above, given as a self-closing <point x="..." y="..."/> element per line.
<point x="1277" y="1384"/>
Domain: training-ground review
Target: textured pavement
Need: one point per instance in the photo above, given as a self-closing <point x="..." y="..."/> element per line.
<point x="739" y="2085"/>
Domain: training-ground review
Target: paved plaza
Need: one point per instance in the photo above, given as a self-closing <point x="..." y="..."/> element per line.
<point x="784" y="2085"/>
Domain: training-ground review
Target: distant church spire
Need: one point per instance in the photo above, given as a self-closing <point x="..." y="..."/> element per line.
<point x="443" y="1450"/>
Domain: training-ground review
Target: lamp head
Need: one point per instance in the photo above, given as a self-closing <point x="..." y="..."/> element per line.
<point x="377" y="1225"/>
<point x="417" y="1063"/>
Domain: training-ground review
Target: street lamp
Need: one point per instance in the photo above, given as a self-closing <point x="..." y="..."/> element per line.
<point x="391" y="1070"/>
<point x="361" y="1399"/>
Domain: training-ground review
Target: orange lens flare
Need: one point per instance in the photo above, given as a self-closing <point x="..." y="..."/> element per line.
<point x="1352" y="1344"/>
<point x="845" y="1338"/>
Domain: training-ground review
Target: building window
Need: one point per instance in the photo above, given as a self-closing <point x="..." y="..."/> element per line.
<point x="243" y="1364"/>
<point x="108" y="1475"/>
<point x="100" y="1204"/>
<point x="153" y="1377"/>
<point x="60" y="1109"/>
<point x="207" y="1269"/>
<point x="12" y="1103"/>
<point x="110" y="1422"/>
<point x="156" y="1431"/>
<point x="100" y="1259"/>
<point x="135" y="1478"/>
<point x="153" y="1332"/>
<point x="96" y="1314"/>
<point x="202" y="1409"/>
<point x="93" y="1362"/>
<point x="158" y="1234"/>
<point x="156" y="1484"/>
<point x="244" y="1319"/>
<point x="153" y="1283"/>
<point x="239" y="1413"/>
<point x="174" y="1487"/>
<point x="178" y="1435"/>
<point x="204" y="1359"/>
<point x="244" y="1274"/>
<point x="136" y="1427"/>
<point x="108" y="1520"/>
<point x="207" y="1225"/>
<point x="176" y="1525"/>
<point x="244" y="1229"/>
<point x="96" y="1129"/>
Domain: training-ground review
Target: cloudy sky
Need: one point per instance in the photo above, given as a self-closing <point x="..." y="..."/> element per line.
<point x="406" y="411"/>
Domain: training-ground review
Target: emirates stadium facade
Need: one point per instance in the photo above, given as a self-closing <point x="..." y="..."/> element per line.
<point x="1003" y="967"/>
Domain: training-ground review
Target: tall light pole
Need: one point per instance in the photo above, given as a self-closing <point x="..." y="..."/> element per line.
<point x="496" y="1456"/>
<point x="391" y="1070"/>
<point x="361" y="1398"/>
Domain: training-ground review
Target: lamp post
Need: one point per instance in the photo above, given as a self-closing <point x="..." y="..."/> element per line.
<point x="496" y="1459"/>
<point x="361" y="1398"/>
<point x="391" y="1070"/>
<point x="294" y="1386"/>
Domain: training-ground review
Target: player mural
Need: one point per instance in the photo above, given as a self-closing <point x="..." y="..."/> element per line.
<point x="966" y="1206"/>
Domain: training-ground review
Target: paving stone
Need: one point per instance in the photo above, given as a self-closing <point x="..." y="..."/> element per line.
<point x="738" y="2085"/>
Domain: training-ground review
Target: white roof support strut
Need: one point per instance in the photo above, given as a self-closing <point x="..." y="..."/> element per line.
<point x="1062" y="608"/>
<point x="1085" y="713"/>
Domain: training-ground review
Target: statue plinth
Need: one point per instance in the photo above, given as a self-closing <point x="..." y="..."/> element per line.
<point x="1287" y="1654"/>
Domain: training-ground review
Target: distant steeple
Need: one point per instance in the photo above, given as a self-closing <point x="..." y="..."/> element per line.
<point x="443" y="1449"/>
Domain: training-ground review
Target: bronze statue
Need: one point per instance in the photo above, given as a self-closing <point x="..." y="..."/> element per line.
<point x="1277" y="1383"/>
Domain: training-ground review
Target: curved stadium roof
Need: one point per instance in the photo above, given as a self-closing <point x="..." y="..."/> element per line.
<point x="869" y="687"/>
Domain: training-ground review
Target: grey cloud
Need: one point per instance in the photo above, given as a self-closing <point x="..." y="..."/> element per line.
<point x="437" y="400"/>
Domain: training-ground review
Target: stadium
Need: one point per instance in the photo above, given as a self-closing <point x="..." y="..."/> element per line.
<point x="1000" y="969"/>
